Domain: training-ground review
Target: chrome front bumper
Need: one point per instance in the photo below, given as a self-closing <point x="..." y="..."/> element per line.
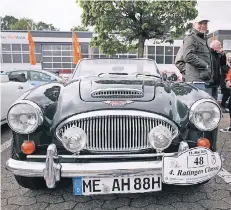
<point x="52" y="171"/>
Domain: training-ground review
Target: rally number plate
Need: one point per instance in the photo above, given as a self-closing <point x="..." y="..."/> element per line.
<point x="111" y="185"/>
<point x="192" y="166"/>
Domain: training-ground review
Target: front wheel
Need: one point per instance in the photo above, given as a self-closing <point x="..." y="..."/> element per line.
<point x="33" y="183"/>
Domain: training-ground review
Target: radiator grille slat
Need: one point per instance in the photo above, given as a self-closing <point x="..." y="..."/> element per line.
<point x="117" y="132"/>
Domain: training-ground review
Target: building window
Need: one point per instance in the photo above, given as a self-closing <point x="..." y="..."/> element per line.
<point x="57" y="65"/>
<point x="168" y="50"/>
<point x="84" y="48"/>
<point x="26" y="58"/>
<point x="151" y="50"/>
<point x="17" y="58"/>
<point x="227" y="44"/>
<point x="66" y="53"/>
<point x="6" y="48"/>
<point x="66" y="59"/>
<point x="56" y="59"/>
<point x="38" y="48"/>
<point x="176" y="49"/>
<point x="47" y="53"/>
<point x="66" y="47"/>
<point x="160" y="50"/>
<point x="46" y="47"/>
<point x="47" y="59"/>
<point x="25" y="47"/>
<point x="160" y="59"/>
<point x="16" y="47"/>
<point x="168" y="59"/>
<point x="47" y="65"/>
<point x="38" y="58"/>
<point x="67" y="65"/>
<point x="6" y="58"/>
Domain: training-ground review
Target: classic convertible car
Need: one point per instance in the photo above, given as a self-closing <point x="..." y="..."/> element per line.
<point x="116" y="127"/>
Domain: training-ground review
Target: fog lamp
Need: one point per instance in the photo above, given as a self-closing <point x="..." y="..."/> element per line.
<point x="74" y="139"/>
<point x="160" y="138"/>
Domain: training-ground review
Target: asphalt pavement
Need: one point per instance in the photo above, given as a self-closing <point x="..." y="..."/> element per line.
<point x="216" y="194"/>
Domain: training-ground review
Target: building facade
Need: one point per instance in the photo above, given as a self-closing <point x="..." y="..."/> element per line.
<point x="53" y="49"/>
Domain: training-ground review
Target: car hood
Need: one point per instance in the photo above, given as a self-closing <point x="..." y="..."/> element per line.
<point x="117" y="87"/>
<point x="171" y="100"/>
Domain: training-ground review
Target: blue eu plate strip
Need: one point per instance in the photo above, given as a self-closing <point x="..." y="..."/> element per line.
<point x="77" y="185"/>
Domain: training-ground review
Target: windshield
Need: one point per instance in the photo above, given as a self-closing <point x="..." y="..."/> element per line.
<point x="116" y="66"/>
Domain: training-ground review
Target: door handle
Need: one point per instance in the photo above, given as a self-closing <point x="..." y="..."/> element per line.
<point x="20" y="87"/>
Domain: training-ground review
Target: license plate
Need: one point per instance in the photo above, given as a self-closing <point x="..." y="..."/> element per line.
<point x="121" y="184"/>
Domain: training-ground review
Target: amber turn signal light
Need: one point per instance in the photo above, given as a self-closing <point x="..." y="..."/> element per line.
<point x="203" y="142"/>
<point x="28" y="147"/>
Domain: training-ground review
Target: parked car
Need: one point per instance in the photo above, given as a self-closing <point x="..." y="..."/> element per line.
<point x="116" y="127"/>
<point x="36" y="77"/>
<point x="10" y="92"/>
<point x="171" y="71"/>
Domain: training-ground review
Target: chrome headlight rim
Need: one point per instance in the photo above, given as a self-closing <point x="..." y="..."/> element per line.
<point x="81" y="133"/>
<point x="150" y="134"/>
<point x="38" y="112"/>
<point x="195" y="105"/>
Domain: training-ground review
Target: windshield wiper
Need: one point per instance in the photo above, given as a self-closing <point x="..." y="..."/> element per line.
<point x="114" y="73"/>
<point x="147" y="75"/>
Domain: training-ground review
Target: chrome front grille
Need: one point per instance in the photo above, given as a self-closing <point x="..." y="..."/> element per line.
<point x="115" y="130"/>
<point x="117" y="93"/>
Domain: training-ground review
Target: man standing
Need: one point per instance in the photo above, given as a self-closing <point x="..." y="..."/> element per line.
<point x="197" y="55"/>
<point x="219" y="60"/>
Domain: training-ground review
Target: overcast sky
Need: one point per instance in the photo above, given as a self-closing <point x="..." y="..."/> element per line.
<point x="65" y="14"/>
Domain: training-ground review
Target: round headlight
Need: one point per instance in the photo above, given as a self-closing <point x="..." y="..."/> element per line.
<point x="160" y="138"/>
<point x="74" y="139"/>
<point x="205" y="114"/>
<point x="24" y="117"/>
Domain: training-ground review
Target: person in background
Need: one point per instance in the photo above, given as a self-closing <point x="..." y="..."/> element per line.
<point x="197" y="56"/>
<point x="228" y="85"/>
<point x="224" y="90"/>
<point x="218" y="60"/>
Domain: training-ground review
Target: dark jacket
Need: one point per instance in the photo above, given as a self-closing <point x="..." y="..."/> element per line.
<point x="197" y="57"/>
<point x="218" y="60"/>
<point x="224" y="73"/>
<point x="179" y="61"/>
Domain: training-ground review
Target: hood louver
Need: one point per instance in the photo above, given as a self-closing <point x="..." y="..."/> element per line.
<point x="117" y="93"/>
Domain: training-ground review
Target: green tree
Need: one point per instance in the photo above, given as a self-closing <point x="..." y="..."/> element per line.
<point x="7" y="22"/>
<point x="79" y="28"/>
<point x="22" y="24"/>
<point x="123" y="25"/>
<point x="44" y="26"/>
<point x="12" y="23"/>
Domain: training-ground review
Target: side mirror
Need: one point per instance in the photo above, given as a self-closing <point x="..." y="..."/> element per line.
<point x="18" y="78"/>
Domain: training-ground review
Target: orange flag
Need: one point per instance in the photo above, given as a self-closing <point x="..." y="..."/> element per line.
<point x="76" y="48"/>
<point x="31" y="47"/>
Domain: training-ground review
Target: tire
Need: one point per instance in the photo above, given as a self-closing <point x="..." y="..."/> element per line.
<point x="33" y="183"/>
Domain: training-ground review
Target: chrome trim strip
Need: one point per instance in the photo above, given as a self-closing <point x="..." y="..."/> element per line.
<point x="105" y="156"/>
